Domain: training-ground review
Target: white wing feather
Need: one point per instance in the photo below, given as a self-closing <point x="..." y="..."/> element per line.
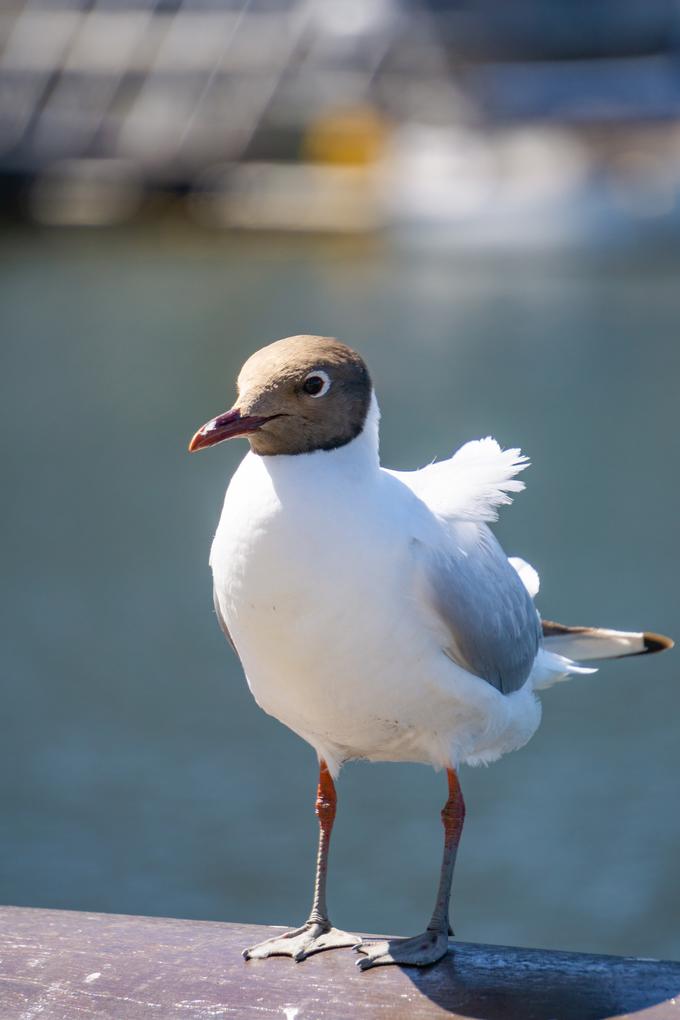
<point x="471" y="484"/>
<point x="528" y="575"/>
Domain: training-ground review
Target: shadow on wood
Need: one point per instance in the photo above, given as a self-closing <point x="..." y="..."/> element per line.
<point x="500" y="983"/>
<point x="59" y="965"/>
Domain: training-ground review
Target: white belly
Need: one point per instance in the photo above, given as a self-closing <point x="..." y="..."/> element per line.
<point x="318" y="595"/>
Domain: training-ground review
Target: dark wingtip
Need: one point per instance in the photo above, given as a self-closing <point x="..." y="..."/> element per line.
<point x="656" y="642"/>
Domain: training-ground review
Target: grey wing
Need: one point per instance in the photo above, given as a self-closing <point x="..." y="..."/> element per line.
<point x="220" y="620"/>
<point x="493" y="629"/>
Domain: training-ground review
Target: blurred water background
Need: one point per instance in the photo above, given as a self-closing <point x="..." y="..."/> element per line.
<point x="487" y="207"/>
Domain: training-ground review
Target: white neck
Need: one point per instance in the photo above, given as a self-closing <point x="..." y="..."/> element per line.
<point x="357" y="458"/>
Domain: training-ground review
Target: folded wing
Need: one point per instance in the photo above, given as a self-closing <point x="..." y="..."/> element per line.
<point x="488" y="621"/>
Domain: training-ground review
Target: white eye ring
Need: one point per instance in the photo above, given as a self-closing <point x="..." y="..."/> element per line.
<point x="318" y="373"/>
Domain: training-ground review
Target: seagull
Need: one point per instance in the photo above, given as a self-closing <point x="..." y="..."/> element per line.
<point x="374" y="612"/>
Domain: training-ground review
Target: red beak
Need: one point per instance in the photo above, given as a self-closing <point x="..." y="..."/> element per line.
<point x="226" y="426"/>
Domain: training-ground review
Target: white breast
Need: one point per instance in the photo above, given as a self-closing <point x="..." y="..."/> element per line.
<point x="313" y="574"/>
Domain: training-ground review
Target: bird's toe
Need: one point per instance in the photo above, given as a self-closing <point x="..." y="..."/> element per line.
<point x="287" y="944"/>
<point x="336" y="939"/>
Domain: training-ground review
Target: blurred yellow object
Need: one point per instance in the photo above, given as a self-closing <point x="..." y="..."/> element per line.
<point x="353" y="136"/>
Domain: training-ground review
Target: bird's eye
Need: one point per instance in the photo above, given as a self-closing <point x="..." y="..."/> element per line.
<point x="317" y="383"/>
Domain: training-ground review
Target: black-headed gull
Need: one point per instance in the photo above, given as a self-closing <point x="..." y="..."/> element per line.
<point x="373" y="611"/>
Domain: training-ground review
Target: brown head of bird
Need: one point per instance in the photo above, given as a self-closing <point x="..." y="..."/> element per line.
<point x="296" y="395"/>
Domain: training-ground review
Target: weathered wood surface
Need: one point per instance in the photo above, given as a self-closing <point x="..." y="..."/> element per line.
<point x="60" y="965"/>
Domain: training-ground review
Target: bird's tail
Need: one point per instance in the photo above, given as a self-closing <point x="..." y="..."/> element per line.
<point x="564" y="648"/>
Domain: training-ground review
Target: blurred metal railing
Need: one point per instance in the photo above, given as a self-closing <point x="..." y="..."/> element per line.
<point x="187" y="84"/>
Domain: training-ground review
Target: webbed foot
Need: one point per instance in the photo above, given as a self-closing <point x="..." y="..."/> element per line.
<point x="312" y="937"/>
<point x="418" y="951"/>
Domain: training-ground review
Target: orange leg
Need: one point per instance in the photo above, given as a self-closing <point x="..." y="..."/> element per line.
<point x="317" y="933"/>
<point x="434" y="942"/>
<point x="453" y="817"/>
<point x="326" y="803"/>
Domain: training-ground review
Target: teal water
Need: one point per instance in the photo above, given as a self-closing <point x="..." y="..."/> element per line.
<point x="137" y="773"/>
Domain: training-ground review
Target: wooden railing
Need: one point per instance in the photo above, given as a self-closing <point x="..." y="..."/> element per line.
<point x="62" y="965"/>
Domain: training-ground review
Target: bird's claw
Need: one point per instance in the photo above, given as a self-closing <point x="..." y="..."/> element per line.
<point x="312" y="937"/>
<point x="418" y="951"/>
